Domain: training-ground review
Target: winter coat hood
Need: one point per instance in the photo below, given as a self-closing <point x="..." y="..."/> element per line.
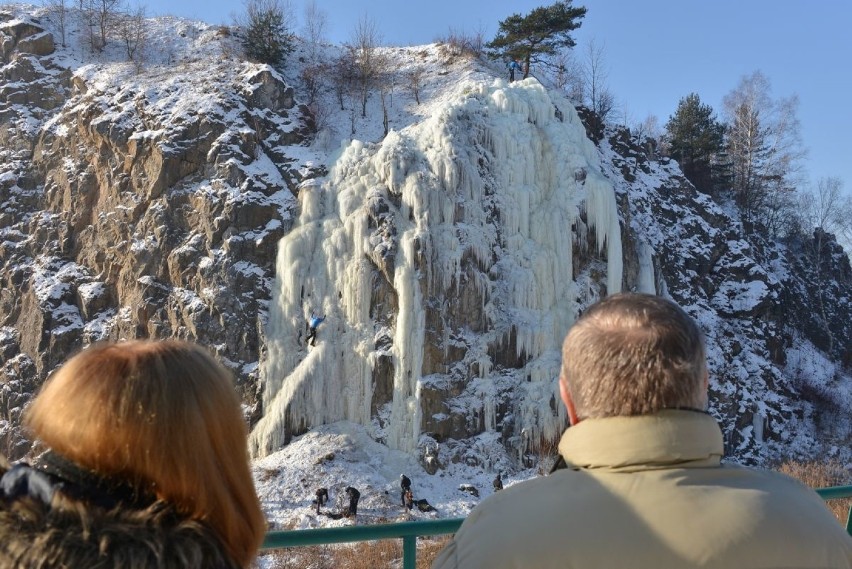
<point x="681" y="438"/>
<point x="47" y="522"/>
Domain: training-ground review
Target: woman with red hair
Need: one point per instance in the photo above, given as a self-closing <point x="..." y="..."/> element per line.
<point x="146" y="466"/>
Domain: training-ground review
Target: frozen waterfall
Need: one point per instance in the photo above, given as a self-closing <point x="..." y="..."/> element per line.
<point x="487" y="186"/>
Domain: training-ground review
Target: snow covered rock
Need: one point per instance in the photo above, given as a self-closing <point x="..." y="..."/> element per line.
<point x="137" y="204"/>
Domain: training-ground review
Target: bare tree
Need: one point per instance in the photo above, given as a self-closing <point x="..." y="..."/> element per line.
<point x="824" y="211"/>
<point x="459" y="42"/>
<point x="343" y="73"/>
<point x="827" y="208"/>
<point x="132" y="29"/>
<point x="764" y="146"/>
<point x="649" y="132"/>
<point x="314" y="28"/>
<point x="87" y="20"/>
<point x="415" y="80"/>
<point x="385" y="78"/>
<point x="353" y="114"/>
<point x="649" y="127"/>
<point x="313" y="76"/>
<point x="58" y="10"/>
<point x="105" y="13"/>
<point x="597" y="94"/>
<point x="364" y="47"/>
<point x="566" y="74"/>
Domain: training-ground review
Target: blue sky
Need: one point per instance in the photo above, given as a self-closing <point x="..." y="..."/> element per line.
<point x="656" y="51"/>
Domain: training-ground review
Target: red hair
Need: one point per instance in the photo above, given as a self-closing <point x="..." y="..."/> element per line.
<point x="164" y="416"/>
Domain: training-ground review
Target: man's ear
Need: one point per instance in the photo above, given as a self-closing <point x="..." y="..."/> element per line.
<point x="566" y="398"/>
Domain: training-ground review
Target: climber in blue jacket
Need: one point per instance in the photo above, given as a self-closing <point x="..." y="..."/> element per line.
<point x="513" y="66"/>
<point x="312" y="325"/>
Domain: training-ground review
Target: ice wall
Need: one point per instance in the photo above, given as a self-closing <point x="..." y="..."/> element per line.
<point x="490" y="179"/>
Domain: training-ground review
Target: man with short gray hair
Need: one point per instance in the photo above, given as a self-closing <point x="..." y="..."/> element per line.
<point x="639" y="482"/>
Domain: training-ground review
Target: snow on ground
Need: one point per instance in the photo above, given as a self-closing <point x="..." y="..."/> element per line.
<point x="342" y="454"/>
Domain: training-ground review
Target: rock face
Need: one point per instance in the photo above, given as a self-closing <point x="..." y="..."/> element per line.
<point x="150" y="205"/>
<point x="120" y="220"/>
<point x="758" y="302"/>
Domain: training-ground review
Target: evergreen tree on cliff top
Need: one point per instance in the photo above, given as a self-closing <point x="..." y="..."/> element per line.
<point x="696" y="140"/>
<point x="541" y="32"/>
<point x="267" y="36"/>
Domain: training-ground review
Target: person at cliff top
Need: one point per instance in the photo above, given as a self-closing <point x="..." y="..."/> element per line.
<point x="640" y="483"/>
<point x="313" y="324"/>
<point x="513" y="66"/>
<point x="146" y="466"/>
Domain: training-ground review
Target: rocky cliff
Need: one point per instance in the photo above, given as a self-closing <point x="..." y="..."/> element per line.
<point x="777" y="382"/>
<point x="137" y="205"/>
<point x="151" y="204"/>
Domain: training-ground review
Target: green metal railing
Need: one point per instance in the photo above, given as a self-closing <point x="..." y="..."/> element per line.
<point x="835" y="493"/>
<point x="409" y="531"/>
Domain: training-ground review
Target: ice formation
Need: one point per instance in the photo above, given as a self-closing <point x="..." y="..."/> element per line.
<point x="495" y="179"/>
<point x="646" y="282"/>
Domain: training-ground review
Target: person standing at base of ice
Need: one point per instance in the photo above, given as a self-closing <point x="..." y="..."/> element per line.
<point x="640" y="482"/>
<point x="322" y="498"/>
<point x="408" y="499"/>
<point x="354" y="496"/>
<point x="498" y="483"/>
<point x="313" y="324"/>
<point x="404" y="484"/>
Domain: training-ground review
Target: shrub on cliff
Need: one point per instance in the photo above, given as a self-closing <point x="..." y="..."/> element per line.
<point x="267" y="36"/>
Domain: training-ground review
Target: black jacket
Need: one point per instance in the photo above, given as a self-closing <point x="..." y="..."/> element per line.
<point x="47" y="522"/>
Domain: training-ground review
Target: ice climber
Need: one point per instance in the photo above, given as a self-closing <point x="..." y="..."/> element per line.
<point x="313" y="324"/>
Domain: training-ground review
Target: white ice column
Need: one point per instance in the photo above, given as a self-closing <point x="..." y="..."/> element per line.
<point x="491" y="177"/>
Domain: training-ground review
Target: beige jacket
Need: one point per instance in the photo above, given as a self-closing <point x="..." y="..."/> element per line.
<point x="649" y="492"/>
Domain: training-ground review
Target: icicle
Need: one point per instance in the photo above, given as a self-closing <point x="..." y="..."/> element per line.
<point x="646" y="282"/>
<point x="603" y="216"/>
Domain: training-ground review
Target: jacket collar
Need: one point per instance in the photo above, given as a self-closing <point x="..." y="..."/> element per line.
<point x="53" y="473"/>
<point x="667" y="439"/>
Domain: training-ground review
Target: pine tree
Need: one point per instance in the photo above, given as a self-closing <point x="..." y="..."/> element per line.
<point x="542" y="32"/>
<point x="696" y="141"/>
<point x="267" y="38"/>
